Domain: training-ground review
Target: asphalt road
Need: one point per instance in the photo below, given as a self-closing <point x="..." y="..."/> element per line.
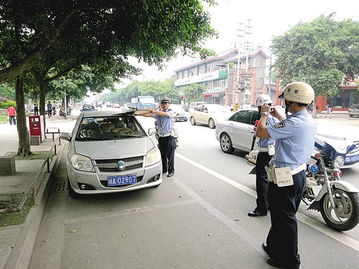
<point x="197" y="219"/>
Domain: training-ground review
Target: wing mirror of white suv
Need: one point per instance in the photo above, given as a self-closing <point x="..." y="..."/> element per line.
<point x="151" y="131"/>
<point x="65" y="136"/>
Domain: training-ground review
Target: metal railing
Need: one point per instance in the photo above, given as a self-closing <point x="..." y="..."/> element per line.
<point x="36" y="183"/>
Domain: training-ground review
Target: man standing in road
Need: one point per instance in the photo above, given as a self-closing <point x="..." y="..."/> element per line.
<point x="49" y="109"/>
<point x="166" y="141"/>
<point x="266" y="151"/>
<point x="295" y="136"/>
<point x="11" y="112"/>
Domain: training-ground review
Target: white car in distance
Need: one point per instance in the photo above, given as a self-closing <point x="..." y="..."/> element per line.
<point x="208" y="114"/>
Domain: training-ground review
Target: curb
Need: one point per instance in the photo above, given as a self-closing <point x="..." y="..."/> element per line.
<point x="20" y="255"/>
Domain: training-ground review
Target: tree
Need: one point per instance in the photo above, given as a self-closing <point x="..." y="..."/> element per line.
<point x="106" y="30"/>
<point x="157" y="89"/>
<point x="193" y="92"/>
<point x="7" y="90"/>
<point x="322" y="53"/>
<point x="152" y="31"/>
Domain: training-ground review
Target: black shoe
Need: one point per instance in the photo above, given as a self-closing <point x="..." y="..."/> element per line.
<point x="256" y="213"/>
<point x="279" y="263"/>
<point x="266" y="250"/>
<point x="275" y="263"/>
<point x="170" y="174"/>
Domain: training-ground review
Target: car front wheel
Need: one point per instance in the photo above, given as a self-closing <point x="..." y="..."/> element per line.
<point x="226" y="143"/>
<point x="193" y="121"/>
<point x="211" y="124"/>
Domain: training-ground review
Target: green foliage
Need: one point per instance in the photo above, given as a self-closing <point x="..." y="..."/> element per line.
<point x="7" y="104"/>
<point x="7" y="90"/>
<point x="322" y="53"/>
<point x="157" y="89"/>
<point x="85" y="31"/>
<point x="193" y="92"/>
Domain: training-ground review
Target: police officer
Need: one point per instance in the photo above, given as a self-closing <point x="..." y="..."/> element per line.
<point x="266" y="150"/>
<point x="165" y="129"/>
<point x="295" y="136"/>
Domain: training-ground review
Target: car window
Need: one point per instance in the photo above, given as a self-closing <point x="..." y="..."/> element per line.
<point x="255" y="116"/>
<point x="244" y="116"/>
<point x="108" y="128"/>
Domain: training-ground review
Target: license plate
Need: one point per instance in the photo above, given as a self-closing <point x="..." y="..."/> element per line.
<point x="352" y="159"/>
<point x="121" y="180"/>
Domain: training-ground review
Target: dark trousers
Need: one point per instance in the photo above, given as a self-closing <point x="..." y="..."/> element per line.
<point x="49" y="113"/>
<point x="262" y="183"/>
<point x="282" y="240"/>
<point x="167" y="146"/>
<point x="12" y="120"/>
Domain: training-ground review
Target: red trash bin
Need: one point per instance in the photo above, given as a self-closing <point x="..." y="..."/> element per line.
<point x="37" y="126"/>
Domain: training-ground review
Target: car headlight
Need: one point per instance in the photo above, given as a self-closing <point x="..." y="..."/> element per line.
<point x="82" y="163"/>
<point x="153" y="156"/>
<point x="338" y="162"/>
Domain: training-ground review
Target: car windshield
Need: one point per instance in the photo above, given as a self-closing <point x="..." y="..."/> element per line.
<point x="109" y="128"/>
<point x="355" y="106"/>
<point x="88" y="108"/>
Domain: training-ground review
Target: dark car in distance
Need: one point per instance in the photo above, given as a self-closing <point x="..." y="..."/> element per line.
<point x="180" y="117"/>
<point x="88" y="108"/>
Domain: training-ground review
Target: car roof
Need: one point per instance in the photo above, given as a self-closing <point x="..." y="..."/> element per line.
<point x="107" y="113"/>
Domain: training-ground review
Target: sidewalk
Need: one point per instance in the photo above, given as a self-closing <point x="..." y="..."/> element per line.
<point x="17" y="241"/>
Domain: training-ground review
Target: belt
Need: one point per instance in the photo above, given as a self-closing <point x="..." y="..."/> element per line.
<point x="260" y="149"/>
<point x="166" y="135"/>
<point x="299" y="168"/>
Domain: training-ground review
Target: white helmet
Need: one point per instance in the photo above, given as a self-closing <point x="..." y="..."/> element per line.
<point x="298" y="92"/>
<point x="263" y="99"/>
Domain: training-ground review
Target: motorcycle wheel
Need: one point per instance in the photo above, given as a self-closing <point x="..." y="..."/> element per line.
<point x="345" y="215"/>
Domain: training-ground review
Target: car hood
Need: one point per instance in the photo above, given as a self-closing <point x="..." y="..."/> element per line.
<point x="339" y="143"/>
<point x="113" y="149"/>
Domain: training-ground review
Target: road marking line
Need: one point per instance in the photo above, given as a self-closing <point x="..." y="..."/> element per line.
<point x="338" y="236"/>
<point x="242" y="233"/>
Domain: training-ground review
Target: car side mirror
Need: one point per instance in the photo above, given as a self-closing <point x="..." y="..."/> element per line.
<point x="151" y="131"/>
<point x="65" y="136"/>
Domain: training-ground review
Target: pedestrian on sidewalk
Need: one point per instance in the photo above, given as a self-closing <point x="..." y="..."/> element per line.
<point x="166" y="135"/>
<point x="49" y="109"/>
<point x="294" y="141"/>
<point x="329" y="111"/>
<point x="11" y="112"/>
<point x="36" y="110"/>
<point x="266" y="151"/>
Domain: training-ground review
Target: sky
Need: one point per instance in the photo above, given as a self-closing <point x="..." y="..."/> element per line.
<point x="268" y="18"/>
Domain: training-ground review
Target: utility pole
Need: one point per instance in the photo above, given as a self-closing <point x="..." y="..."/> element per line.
<point x="244" y="46"/>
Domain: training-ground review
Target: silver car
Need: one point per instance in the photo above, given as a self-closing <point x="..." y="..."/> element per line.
<point x="354" y="110"/>
<point x="238" y="133"/>
<point x="111" y="153"/>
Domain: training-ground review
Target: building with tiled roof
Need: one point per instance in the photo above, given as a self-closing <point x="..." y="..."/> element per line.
<point x="227" y="80"/>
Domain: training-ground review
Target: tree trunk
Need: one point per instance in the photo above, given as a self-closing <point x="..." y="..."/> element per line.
<point x="22" y="131"/>
<point x="42" y="99"/>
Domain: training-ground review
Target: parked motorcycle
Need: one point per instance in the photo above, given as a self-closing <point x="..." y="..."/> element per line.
<point x="337" y="200"/>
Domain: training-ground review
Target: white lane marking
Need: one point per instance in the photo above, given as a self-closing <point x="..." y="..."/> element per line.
<point x="338" y="236"/>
